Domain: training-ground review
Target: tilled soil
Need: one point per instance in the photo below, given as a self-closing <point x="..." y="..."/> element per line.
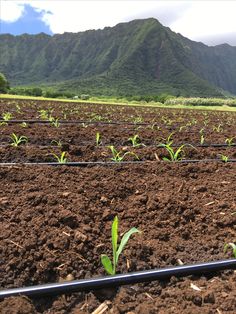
<point x="55" y="223"/>
<point x="91" y="153"/>
<point x="45" y="134"/>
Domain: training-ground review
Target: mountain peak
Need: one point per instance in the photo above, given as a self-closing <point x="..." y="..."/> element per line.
<point x="138" y="57"/>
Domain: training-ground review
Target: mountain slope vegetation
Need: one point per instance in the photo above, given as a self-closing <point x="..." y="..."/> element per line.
<point x="135" y="58"/>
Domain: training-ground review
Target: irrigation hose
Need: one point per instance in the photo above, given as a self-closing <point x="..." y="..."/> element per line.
<point x="152" y="145"/>
<point x="121" y="279"/>
<point x="78" y="122"/>
<point x="112" y="163"/>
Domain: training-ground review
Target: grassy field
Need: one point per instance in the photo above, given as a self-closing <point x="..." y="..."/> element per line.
<point x="114" y="101"/>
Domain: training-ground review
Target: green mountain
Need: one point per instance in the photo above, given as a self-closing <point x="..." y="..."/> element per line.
<point x="139" y="57"/>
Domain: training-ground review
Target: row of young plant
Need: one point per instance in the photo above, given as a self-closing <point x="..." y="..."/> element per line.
<point x="67" y="110"/>
<point x="174" y="153"/>
<point x="182" y="128"/>
<point x="135" y="141"/>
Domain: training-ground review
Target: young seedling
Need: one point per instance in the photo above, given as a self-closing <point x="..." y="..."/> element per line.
<point x="138" y="120"/>
<point x="54" y="121"/>
<point x="174" y="155"/>
<point x="57" y="143"/>
<point x="218" y="128"/>
<point x="202" y="138"/>
<point x="98" y="139"/>
<point x="110" y="266"/>
<point x="61" y="159"/>
<point x="43" y="114"/>
<point x="224" y="158"/>
<point x="169" y="140"/>
<point x="17" y="140"/>
<point x="6" y="116"/>
<point x="24" y="125"/>
<point x="135" y="140"/>
<point x="232" y="246"/>
<point x="230" y="141"/>
<point x="95" y="117"/>
<point x="154" y="126"/>
<point x="182" y="127"/>
<point x="18" y="108"/>
<point x="117" y="156"/>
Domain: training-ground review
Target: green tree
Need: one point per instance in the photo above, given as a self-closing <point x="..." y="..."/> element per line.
<point x="4" y="84"/>
<point x="35" y="91"/>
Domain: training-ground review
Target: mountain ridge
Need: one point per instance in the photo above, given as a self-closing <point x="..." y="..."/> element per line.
<point x="138" y="57"/>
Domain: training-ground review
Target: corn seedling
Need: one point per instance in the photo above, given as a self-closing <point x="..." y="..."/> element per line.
<point x="174" y="155"/>
<point x="154" y="126"/>
<point x="169" y="140"/>
<point x="17" y="140"/>
<point x="84" y="125"/>
<point x="202" y="138"/>
<point x="182" y="127"/>
<point x="6" y="116"/>
<point x="57" y="143"/>
<point x="98" y="139"/>
<point x="232" y="246"/>
<point x="230" y="141"/>
<point x="218" y="128"/>
<point x="138" y="120"/>
<point x="43" y="114"/>
<point x="61" y="159"/>
<point x="95" y="117"/>
<point x="54" y="122"/>
<point x="18" y="108"/>
<point x="166" y="121"/>
<point x="224" y="158"/>
<point x="135" y="140"/>
<point x="117" y="156"/>
<point x="110" y="266"/>
<point x="24" y="125"/>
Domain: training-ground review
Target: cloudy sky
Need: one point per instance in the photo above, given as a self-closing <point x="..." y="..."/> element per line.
<point x="212" y="22"/>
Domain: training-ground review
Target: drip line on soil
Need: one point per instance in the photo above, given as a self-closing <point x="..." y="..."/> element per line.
<point x="77" y="122"/>
<point x="121" y="279"/>
<point x="110" y="163"/>
<point x="85" y="144"/>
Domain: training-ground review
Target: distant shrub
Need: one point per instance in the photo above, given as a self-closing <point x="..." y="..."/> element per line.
<point x="53" y="94"/>
<point x="150" y="98"/>
<point x="4" y="84"/>
<point x="35" y="91"/>
<point x="17" y="91"/>
<point x="201" y="101"/>
<point x="84" y="97"/>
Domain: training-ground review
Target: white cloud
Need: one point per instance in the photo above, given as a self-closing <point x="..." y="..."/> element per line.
<point x="197" y="20"/>
<point x="206" y="18"/>
<point x="10" y="11"/>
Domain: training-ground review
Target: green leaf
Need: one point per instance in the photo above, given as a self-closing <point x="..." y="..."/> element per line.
<point x="232" y="245"/>
<point x="106" y="262"/>
<point x="166" y="159"/>
<point x="114" y="237"/>
<point x="124" y="240"/>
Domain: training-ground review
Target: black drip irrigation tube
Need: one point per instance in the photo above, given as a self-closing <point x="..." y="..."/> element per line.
<point x="112" y="163"/>
<point x="119" y="280"/>
<point x="77" y="122"/>
<point x="152" y="145"/>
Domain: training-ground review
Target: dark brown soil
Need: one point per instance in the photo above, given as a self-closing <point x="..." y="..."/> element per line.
<point x="55" y="223"/>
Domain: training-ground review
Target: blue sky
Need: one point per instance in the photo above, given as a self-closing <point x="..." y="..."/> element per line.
<point x="30" y="22"/>
<point x="210" y="21"/>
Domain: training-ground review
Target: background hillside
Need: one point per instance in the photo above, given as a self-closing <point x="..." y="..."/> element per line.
<point x="135" y="58"/>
